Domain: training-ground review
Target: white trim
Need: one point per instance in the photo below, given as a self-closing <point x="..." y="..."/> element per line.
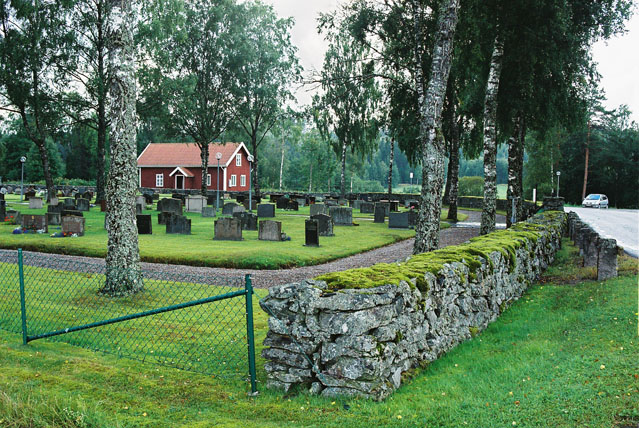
<point x="183" y="182"/>
<point x="224" y="180"/>
<point x="243" y="180"/>
<point x="181" y="171"/>
<point x="156" y="180"/>
<point x="228" y="163"/>
<point x="147" y="146"/>
<point x="208" y="180"/>
<point x="233" y="181"/>
<point x="139" y="177"/>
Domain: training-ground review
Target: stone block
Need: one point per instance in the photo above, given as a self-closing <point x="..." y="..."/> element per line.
<point x="607" y="259"/>
<point x="208" y="212"/>
<point x="82" y="204"/>
<point x="386" y="206"/>
<point x="367" y="208"/>
<point x="238" y="209"/>
<point x="54" y="219"/>
<point x="228" y="229"/>
<point x="266" y="210"/>
<point x="380" y="214"/>
<point x="55" y="208"/>
<point x="270" y="230"/>
<point x="139" y="208"/>
<point x="145" y="225"/>
<point x="342" y="216"/>
<point x="35" y="203"/>
<point x="553" y="204"/>
<point x="140" y="200"/>
<point x="35" y="222"/>
<point x="228" y="208"/>
<point x="311" y="231"/>
<point x="195" y="204"/>
<point x="398" y="221"/>
<point x="178" y="224"/>
<point x="247" y="219"/>
<point x="170" y="205"/>
<point x="318" y="209"/>
<point x="325" y="224"/>
<point x="73" y="225"/>
<point x="68" y="204"/>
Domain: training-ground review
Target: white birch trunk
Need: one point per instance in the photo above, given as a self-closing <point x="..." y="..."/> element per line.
<point x="490" y="141"/>
<point x="430" y="108"/>
<point x="123" y="273"/>
<point x="342" y="185"/>
<point x="282" y="165"/>
<point x="390" y="169"/>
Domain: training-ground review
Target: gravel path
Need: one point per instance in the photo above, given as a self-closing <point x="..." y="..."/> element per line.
<point x="261" y="278"/>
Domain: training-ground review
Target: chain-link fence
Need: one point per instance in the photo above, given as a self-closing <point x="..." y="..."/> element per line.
<point x="198" y="323"/>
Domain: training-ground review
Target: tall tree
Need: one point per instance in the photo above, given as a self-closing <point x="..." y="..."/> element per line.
<point x="123" y="272"/>
<point x="269" y="68"/>
<point x="195" y="52"/>
<point x="34" y="44"/>
<point x="346" y="108"/>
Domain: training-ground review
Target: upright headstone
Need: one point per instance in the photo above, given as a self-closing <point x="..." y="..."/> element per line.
<point x="293" y="205"/>
<point x="35" y="203"/>
<point x="208" y="212"/>
<point x="270" y="230"/>
<point x="54" y="219"/>
<point x="413" y="215"/>
<point x="380" y="214"/>
<point x="265" y="210"/>
<point x="140" y="200"/>
<point x="68" y="204"/>
<point x="73" y="225"/>
<point x="148" y="198"/>
<point x="238" y="209"/>
<point x="194" y="204"/>
<point x="55" y="208"/>
<point x="319" y="209"/>
<point x="35" y="222"/>
<point x="82" y="204"/>
<point x="145" y="225"/>
<point x="282" y="203"/>
<point x="247" y="219"/>
<point x="607" y="259"/>
<point x="325" y="224"/>
<point x="356" y="204"/>
<point x="386" y="206"/>
<point x="311" y="229"/>
<point x="228" y="229"/>
<point x="139" y="208"/>
<point x="342" y="216"/>
<point x="227" y="209"/>
<point x="398" y="221"/>
<point x="170" y="205"/>
<point x="367" y="208"/>
<point x="178" y="224"/>
<point x="3" y="210"/>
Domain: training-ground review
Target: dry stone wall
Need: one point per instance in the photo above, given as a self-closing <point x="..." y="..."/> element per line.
<point x="360" y="342"/>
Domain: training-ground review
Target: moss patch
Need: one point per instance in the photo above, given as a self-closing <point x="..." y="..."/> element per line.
<point x="470" y="254"/>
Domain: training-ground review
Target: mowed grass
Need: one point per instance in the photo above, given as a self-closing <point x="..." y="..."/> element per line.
<point x="199" y="248"/>
<point x="564" y="355"/>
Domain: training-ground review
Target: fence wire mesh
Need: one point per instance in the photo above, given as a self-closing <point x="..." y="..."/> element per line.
<point x="210" y="338"/>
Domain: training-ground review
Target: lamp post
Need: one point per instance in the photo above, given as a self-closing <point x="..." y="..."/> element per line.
<point x="558" y="174"/>
<point x="22" y="161"/>
<point x="250" y="159"/>
<point x="218" y="156"/>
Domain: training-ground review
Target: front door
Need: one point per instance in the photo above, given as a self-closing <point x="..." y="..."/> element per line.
<point x="179" y="182"/>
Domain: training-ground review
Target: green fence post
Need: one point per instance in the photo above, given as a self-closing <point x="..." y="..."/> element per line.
<point x="248" y="286"/>
<point x="23" y="306"/>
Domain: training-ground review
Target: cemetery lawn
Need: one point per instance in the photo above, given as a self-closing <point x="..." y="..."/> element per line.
<point x="564" y="355"/>
<point x="199" y="248"/>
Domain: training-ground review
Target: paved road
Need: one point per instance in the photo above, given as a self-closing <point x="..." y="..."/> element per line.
<point x="622" y="225"/>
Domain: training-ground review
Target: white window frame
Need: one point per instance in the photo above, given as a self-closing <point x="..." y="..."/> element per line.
<point x="208" y="180"/>
<point x="233" y="180"/>
<point x="238" y="159"/>
<point x="242" y="180"/>
<point x="159" y="180"/>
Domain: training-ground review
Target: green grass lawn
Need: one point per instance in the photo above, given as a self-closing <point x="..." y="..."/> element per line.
<point x="564" y="355"/>
<point x="200" y="249"/>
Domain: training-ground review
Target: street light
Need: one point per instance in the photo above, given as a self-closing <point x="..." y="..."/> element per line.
<point x="218" y="156"/>
<point x="250" y="159"/>
<point x="558" y="174"/>
<point x="22" y="161"/>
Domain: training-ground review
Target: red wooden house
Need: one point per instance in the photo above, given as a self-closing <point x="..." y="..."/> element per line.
<point x="179" y="166"/>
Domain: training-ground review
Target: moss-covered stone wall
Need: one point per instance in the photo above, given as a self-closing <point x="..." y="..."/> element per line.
<point x="358" y="332"/>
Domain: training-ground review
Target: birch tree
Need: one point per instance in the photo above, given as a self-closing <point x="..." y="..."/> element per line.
<point x="123" y="272"/>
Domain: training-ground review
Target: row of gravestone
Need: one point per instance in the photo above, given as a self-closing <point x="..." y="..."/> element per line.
<point x="71" y="224"/>
<point x="230" y="229"/>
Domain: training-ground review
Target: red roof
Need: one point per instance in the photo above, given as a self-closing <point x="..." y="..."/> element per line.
<point x="185" y="154"/>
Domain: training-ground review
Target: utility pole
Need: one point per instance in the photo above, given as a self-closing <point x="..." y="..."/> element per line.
<point x="583" y="191"/>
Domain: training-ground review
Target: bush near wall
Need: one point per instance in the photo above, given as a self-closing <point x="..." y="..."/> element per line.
<point x="471" y="186"/>
<point x="359" y="332"/>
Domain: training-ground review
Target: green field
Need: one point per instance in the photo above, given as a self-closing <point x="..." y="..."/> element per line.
<point x="564" y="355"/>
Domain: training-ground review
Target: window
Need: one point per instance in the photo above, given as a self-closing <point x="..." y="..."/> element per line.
<point x="159" y="180"/>
<point x="238" y="160"/>
<point x="233" y="181"/>
<point x="242" y="180"/>
<point x="208" y="179"/>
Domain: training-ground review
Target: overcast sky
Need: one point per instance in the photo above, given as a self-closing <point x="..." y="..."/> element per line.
<point x="618" y="58"/>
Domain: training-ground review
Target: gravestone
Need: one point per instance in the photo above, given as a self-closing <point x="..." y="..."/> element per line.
<point x="325" y="224"/>
<point x="282" y="203"/>
<point x="148" y="198"/>
<point x="266" y="210"/>
<point x="82" y="204"/>
<point x="311" y="229"/>
<point x="356" y="204"/>
<point x="247" y="219"/>
<point x="386" y="206"/>
<point x="270" y="230"/>
<point x="607" y="259"/>
<point x="138" y="209"/>
<point x="163" y="217"/>
<point x="35" y="203"/>
<point x="330" y="202"/>
<point x="76" y="213"/>
<point x="194" y="204"/>
<point x="54" y="219"/>
<point x="319" y="209"/>
<point x="367" y="208"/>
<point x="68" y="204"/>
<point x="342" y="216"/>
<point x="238" y="209"/>
<point x="13" y="217"/>
<point x="140" y="200"/>
<point x="3" y="210"/>
<point x="293" y="205"/>
<point x="35" y="222"/>
<point x="73" y="225"/>
<point x="170" y="205"/>
<point x="179" y="196"/>
<point x="398" y="221"/>
<point x="380" y="214"/>
<point x="54" y="201"/>
<point x="178" y="224"/>
<point x="145" y="224"/>
<point x="208" y="212"/>
<point x="228" y="229"/>
<point x="412" y="218"/>
<point x="227" y="209"/>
